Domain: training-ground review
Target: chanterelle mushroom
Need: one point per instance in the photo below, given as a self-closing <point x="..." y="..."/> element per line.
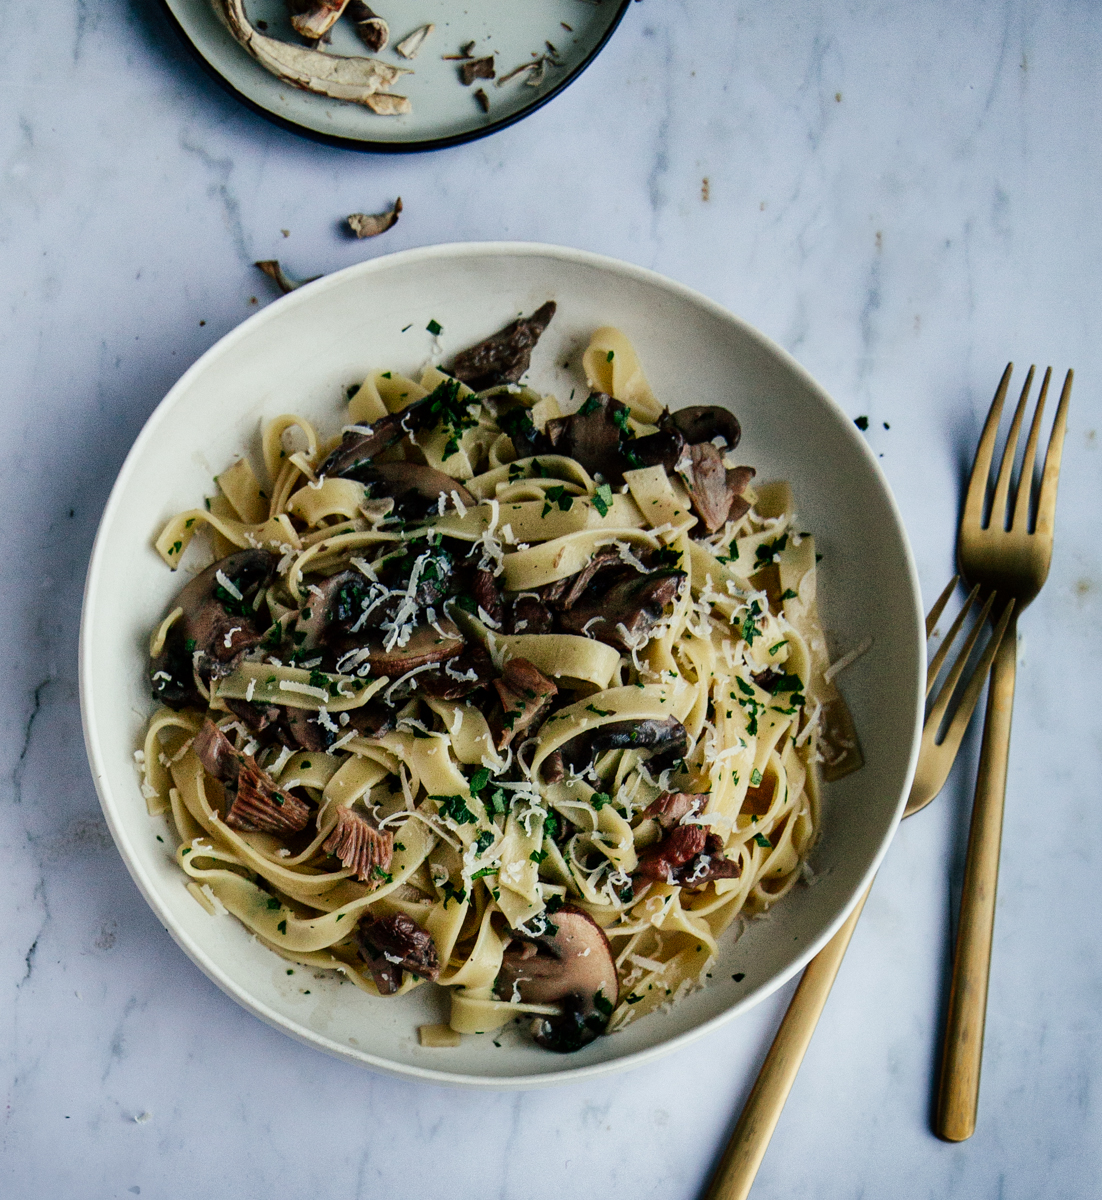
<point x="218" y="625"/>
<point x="570" y="964"/>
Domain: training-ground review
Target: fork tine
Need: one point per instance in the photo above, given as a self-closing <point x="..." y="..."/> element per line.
<point x="1046" y="501"/>
<point x="941" y="704"/>
<point x="1020" y="520"/>
<point x="939" y="606"/>
<point x="981" y="466"/>
<point x="1006" y="467"/>
<point x="948" y="640"/>
<point x="967" y="705"/>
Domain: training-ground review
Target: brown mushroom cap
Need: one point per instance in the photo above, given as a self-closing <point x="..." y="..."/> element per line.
<point x="570" y="964"/>
<point x="703" y="422"/>
<point x="593" y="435"/>
<point x="414" y="488"/>
<point x="427" y="644"/>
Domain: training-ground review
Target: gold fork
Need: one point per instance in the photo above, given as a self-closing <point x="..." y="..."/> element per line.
<point x="737" y="1169"/>
<point x="1012" y="562"/>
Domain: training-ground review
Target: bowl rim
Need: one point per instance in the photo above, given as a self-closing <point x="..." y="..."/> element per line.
<point x="96" y="577"/>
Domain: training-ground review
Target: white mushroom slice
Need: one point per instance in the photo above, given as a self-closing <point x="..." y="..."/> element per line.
<point x="409" y="46"/>
<point x="387" y="105"/>
<point x="358" y="80"/>
<point x="365" y="225"/>
<point x="314" y="18"/>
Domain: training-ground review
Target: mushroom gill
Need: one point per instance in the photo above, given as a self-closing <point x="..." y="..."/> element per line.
<point x="254" y="802"/>
<point x="362" y="847"/>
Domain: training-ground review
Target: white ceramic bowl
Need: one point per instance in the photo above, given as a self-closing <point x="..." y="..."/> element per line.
<point x="298" y="355"/>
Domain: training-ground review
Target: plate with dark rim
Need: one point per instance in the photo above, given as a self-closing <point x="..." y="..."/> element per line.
<point x="565" y="35"/>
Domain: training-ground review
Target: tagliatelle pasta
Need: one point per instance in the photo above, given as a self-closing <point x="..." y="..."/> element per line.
<point x="528" y="705"/>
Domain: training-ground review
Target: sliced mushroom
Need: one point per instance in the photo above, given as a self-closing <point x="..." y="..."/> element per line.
<point x="564" y="593"/>
<point x="712" y="488"/>
<point x="525" y="694"/>
<point x="623" y="613"/>
<point x="708" y="865"/>
<point x="426" y="644"/>
<point x="527" y="440"/>
<point x="361" y="846"/>
<point x="373" y="30"/>
<point x="415" y="489"/>
<point x="659" y="863"/>
<point x="218" y="625"/>
<point x="529" y="614"/>
<point x="593" y="435"/>
<point x="569" y="964"/>
<point x="391" y="945"/>
<point x="666" y="740"/>
<point x="663" y="448"/>
<point x="312" y="19"/>
<point x="670" y="808"/>
<point x="487" y="595"/>
<point x="254" y="716"/>
<point x="365" y="225"/>
<point x="503" y="357"/>
<point x="703" y="422"/>
<point x="306" y="730"/>
<point x="460" y="676"/>
<point x="254" y="802"/>
<point x="358" y="447"/>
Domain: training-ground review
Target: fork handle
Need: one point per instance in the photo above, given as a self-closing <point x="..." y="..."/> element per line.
<point x="739" y="1166"/>
<point x="962" y="1051"/>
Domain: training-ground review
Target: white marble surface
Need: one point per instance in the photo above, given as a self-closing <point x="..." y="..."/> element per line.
<point x="902" y="194"/>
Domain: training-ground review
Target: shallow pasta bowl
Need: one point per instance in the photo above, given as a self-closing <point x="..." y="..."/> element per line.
<point x="300" y="355"/>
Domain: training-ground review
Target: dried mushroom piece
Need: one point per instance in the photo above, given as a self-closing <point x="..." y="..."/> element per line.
<point x="313" y="19"/>
<point x="504" y="356"/>
<point x="365" y="225"/>
<point x="373" y="31"/>
<point x="409" y="46"/>
<point x="482" y="100"/>
<point x="477" y="68"/>
<point x="359" y="80"/>
<point x="271" y="268"/>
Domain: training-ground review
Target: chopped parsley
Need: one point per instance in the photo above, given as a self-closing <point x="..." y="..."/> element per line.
<point x="761" y="840"/>
<point x="484" y="842"/>
<point x="602" y="500"/>
<point x="768" y="551"/>
<point x="755" y="777"/>
<point x="557" y="495"/>
<point x="455" y="808"/>
<point x="479" y="780"/>
<point x="435" y="328"/>
<point x="600" y="712"/>
<point x="611" y="356"/>
<point x="452" y="893"/>
<point x="599" y="800"/>
<point x="537" y="856"/>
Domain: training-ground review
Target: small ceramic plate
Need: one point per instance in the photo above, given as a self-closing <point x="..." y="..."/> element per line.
<point x="445" y="112"/>
<point x="300" y="355"/>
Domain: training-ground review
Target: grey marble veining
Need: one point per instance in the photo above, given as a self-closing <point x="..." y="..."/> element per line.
<point x="904" y="196"/>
